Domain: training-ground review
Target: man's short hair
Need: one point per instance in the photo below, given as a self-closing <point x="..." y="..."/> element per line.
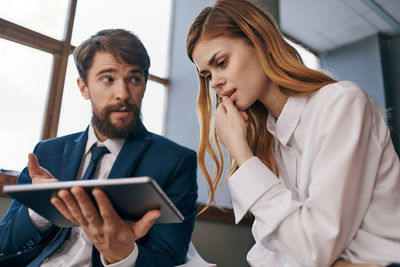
<point x="123" y="44"/>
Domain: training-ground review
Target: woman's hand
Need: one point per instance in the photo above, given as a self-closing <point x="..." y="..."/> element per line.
<point x="342" y="263"/>
<point x="231" y="128"/>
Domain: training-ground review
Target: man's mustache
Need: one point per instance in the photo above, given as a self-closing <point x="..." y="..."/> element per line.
<point x="126" y="106"/>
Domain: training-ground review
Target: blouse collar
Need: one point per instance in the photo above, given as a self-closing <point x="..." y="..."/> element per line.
<point x="284" y="127"/>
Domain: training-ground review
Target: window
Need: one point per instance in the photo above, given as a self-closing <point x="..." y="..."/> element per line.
<point x="309" y="58"/>
<point x="23" y="98"/>
<point x="36" y="41"/>
<point x="44" y="16"/>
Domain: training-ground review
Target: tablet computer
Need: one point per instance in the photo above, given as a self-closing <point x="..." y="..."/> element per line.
<point x="131" y="198"/>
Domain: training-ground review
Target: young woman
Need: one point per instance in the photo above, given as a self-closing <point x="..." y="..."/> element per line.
<point x="310" y="157"/>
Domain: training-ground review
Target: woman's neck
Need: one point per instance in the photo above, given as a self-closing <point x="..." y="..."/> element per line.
<point x="274" y="100"/>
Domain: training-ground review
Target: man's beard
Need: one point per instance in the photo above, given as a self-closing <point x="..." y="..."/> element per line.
<point x="121" y="129"/>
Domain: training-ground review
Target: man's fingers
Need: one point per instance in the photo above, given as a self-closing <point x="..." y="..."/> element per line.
<point x="142" y="226"/>
<point x="60" y="206"/>
<point x="106" y="209"/>
<point x="72" y="205"/>
<point x="86" y="207"/>
<point x="33" y="165"/>
<point x="40" y="174"/>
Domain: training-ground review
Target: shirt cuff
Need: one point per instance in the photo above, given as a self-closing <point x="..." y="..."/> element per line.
<point x="248" y="184"/>
<point x="127" y="262"/>
<point x="38" y="221"/>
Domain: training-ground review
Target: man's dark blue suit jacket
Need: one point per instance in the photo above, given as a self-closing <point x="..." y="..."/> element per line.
<point x="173" y="166"/>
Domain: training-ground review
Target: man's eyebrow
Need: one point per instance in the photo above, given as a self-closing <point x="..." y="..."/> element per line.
<point x="109" y="70"/>
<point x="138" y="70"/>
<point x="210" y="62"/>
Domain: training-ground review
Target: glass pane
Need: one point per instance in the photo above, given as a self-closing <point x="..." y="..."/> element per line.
<point x="44" y="16"/>
<point x="24" y="75"/>
<point x="149" y="19"/>
<point x="76" y="112"/>
<point x="153" y="107"/>
<point x="309" y="59"/>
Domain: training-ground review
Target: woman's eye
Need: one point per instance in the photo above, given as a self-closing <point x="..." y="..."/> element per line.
<point x="208" y="77"/>
<point x="221" y="63"/>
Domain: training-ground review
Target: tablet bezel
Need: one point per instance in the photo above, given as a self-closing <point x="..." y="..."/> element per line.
<point x="146" y="189"/>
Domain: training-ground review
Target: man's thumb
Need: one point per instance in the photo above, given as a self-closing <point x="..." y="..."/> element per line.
<point x="33" y="166"/>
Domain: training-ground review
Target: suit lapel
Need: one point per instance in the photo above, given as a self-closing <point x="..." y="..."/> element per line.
<point x="71" y="160"/>
<point x="131" y="153"/>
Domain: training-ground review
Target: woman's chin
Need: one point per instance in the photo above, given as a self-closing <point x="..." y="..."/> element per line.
<point x="241" y="106"/>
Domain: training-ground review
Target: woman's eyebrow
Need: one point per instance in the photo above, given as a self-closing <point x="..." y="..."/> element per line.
<point x="210" y="62"/>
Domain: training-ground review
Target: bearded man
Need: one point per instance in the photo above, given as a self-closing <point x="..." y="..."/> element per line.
<point x="113" y="66"/>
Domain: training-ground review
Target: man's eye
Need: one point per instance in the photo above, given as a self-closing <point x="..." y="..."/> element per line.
<point x="107" y="79"/>
<point x="136" y="79"/>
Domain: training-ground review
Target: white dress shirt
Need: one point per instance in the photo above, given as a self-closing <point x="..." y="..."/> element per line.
<point x="77" y="250"/>
<point x="338" y="191"/>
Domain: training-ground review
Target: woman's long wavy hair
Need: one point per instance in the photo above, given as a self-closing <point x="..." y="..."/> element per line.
<point x="280" y="62"/>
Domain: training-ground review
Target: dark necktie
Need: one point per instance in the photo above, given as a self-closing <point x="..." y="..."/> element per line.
<point x="97" y="153"/>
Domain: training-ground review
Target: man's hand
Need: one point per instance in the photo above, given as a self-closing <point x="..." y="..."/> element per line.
<point x="38" y="173"/>
<point x="113" y="237"/>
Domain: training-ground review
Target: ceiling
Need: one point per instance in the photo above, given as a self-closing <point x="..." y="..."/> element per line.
<point x="323" y="25"/>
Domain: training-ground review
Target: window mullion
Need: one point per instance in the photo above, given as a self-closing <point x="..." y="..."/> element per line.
<point x="24" y="36"/>
<point x="59" y="69"/>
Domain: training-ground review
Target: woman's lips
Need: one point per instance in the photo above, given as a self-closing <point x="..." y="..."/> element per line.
<point x="229" y="93"/>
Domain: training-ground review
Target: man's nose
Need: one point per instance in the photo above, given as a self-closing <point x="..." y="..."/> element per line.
<point x="122" y="90"/>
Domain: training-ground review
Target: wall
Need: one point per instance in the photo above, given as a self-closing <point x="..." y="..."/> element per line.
<point x="182" y="124"/>
<point x="373" y="64"/>
<point x="4" y="204"/>
<point x="391" y="59"/>
<point x="359" y="62"/>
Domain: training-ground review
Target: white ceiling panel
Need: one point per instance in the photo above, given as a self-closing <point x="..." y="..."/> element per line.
<point x="384" y="2"/>
<point x="393" y="8"/>
<point x="327" y="24"/>
<point x="351" y="30"/>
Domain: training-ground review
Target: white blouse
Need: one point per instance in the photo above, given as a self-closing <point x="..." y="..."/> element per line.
<point x="338" y="191"/>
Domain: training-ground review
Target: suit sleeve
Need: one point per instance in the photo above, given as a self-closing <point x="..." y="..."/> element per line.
<point x="167" y="244"/>
<point x="20" y="240"/>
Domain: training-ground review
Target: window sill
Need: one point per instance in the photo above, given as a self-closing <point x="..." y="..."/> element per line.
<point x="5" y="179"/>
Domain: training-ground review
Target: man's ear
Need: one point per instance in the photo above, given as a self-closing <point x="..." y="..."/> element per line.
<point x="83" y="88"/>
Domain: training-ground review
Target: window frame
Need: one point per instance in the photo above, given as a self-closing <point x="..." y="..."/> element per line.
<point x="61" y="50"/>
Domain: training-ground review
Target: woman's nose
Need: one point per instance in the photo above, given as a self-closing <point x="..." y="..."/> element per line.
<point x="216" y="83"/>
